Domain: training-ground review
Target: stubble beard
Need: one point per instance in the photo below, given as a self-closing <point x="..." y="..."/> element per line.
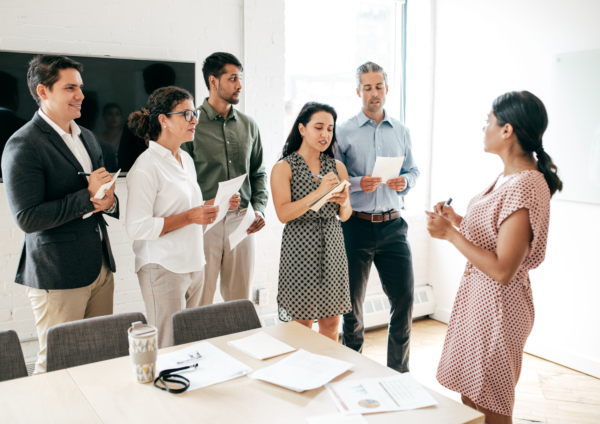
<point x="231" y="100"/>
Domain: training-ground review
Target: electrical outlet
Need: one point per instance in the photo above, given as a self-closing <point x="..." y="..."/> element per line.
<point x="262" y="297"/>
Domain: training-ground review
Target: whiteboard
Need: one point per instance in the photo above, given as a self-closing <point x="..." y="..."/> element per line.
<point x="575" y="124"/>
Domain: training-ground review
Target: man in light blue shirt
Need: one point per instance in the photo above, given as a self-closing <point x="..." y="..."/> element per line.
<point x="376" y="233"/>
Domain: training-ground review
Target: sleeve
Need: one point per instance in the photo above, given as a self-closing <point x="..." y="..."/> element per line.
<point x="340" y="154"/>
<point x="25" y="184"/>
<point x="409" y="169"/>
<point x="141" y="196"/>
<point x="258" y="176"/>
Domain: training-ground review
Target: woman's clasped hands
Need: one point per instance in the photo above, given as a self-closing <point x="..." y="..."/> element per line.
<point x="442" y="220"/>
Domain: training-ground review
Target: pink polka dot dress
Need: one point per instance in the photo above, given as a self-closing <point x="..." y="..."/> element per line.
<point x="490" y="322"/>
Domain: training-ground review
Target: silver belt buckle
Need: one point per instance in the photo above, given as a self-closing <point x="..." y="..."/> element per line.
<point x="376" y="222"/>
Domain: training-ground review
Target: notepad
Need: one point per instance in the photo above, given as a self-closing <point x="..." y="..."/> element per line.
<point x="302" y="371"/>
<point x="261" y="346"/>
<point x="100" y="193"/>
<point x="387" y="168"/>
<point x="318" y="204"/>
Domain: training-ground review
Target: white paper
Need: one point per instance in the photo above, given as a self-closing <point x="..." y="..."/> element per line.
<point x="215" y="366"/>
<point x="337" y="419"/>
<point x="396" y="393"/>
<point x="241" y="231"/>
<point x="318" y="204"/>
<point x="100" y="193"/>
<point x="261" y="346"/>
<point x="387" y="168"/>
<point x="226" y="190"/>
<point x="302" y="371"/>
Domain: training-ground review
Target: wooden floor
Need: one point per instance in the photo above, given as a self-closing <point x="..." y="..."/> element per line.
<point x="546" y="393"/>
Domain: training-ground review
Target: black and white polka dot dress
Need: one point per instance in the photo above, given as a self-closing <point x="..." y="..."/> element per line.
<point x="313" y="272"/>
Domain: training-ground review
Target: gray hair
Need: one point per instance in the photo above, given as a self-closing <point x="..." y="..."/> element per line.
<point x="369" y="67"/>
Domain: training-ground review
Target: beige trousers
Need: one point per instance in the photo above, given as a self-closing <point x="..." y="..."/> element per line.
<point x="235" y="266"/>
<point x="52" y="307"/>
<point x="165" y="293"/>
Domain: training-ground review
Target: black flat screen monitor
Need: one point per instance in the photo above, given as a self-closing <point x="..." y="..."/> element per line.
<point x="113" y="88"/>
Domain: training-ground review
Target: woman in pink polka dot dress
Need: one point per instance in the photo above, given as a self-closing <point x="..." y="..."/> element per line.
<point x="503" y="235"/>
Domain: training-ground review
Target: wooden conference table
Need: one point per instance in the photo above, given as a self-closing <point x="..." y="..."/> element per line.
<point x="105" y="392"/>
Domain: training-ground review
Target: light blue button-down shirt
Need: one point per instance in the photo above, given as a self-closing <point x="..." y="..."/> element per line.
<point x="360" y="142"/>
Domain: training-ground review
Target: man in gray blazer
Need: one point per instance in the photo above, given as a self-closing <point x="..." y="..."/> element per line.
<point x="66" y="262"/>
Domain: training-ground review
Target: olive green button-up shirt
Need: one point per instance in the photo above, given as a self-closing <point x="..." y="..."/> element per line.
<point x="227" y="148"/>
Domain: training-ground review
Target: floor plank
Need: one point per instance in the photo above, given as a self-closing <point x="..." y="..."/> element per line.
<point x="547" y="392"/>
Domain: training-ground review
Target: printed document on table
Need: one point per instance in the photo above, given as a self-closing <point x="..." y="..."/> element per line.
<point x="240" y="233"/>
<point x="387" y="168"/>
<point x="302" y="371"/>
<point x="318" y="204"/>
<point x="261" y="346"/>
<point x="214" y="365"/>
<point x="396" y="393"/>
<point x="100" y="193"/>
<point x="226" y="190"/>
<point x="337" y="419"/>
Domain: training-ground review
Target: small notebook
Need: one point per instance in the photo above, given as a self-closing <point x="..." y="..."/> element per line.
<point x="318" y="204"/>
<point x="261" y="346"/>
<point x="100" y="193"/>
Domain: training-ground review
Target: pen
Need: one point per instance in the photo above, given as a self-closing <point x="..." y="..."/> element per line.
<point x="85" y="174"/>
<point x="316" y="175"/>
<point x="447" y="203"/>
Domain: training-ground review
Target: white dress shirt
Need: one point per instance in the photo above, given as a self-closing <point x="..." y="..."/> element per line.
<point x="159" y="187"/>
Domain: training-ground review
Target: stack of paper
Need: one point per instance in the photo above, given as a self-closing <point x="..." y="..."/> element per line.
<point x="318" y="204"/>
<point x="214" y="365"/>
<point x="261" y="346"/>
<point x="396" y="393"/>
<point x="302" y="371"/>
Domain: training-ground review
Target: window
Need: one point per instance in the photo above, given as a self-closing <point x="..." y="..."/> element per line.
<point x="326" y="40"/>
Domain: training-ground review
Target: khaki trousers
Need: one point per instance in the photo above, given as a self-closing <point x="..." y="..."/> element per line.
<point x="52" y="307"/>
<point x="165" y="293"/>
<point x="235" y="266"/>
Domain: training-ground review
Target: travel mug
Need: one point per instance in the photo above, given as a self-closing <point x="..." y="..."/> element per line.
<point x="143" y="349"/>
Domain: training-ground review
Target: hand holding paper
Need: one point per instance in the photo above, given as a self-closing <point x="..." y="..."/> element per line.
<point x="387" y="168"/>
<point x="226" y="191"/>
<point x="241" y="232"/>
<point x="100" y="193"/>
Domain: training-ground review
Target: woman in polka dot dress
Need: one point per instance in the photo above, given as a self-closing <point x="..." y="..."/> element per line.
<point x="503" y="235"/>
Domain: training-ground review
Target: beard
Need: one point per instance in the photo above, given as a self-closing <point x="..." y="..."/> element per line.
<point x="375" y="108"/>
<point x="229" y="99"/>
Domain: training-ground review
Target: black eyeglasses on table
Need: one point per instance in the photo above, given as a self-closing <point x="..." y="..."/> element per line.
<point x="188" y="114"/>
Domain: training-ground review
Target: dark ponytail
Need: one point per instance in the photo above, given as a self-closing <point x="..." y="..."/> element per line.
<point x="145" y="123"/>
<point x="294" y="140"/>
<point x="527" y="115"/>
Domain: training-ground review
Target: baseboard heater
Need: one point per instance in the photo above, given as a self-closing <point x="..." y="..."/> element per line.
<point x="377" y="308"/>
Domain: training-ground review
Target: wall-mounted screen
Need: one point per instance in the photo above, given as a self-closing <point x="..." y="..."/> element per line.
<point x="113" y="88"/>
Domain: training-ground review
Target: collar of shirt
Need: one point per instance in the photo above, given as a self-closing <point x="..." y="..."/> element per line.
<point x="212" y="114"/>
<point x="362" y="118"/>
<point x="75" y="130"/>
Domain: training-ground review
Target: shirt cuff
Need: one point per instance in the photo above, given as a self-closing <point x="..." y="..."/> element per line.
<point x="355" y="184"/>
<point x="261" y="214"/>
<point x="113" y="208"/>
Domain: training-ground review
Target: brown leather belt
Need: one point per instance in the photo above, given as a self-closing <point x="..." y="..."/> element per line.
<point x="377" y="217"/>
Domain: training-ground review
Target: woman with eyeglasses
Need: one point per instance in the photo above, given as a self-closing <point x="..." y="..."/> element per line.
<point x="165" y="210"/>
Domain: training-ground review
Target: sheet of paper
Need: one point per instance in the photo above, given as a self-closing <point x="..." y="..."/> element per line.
<point x="226" y="190"/>
<point x="396" y="393"/>
<point x="337" y="419"/>
<point x="100" y="193"/>
<point x="214" y="365"/>
<point x="318" y="204"/>
<point x="240" y="233"/>
<point x="302" y="371"/>
<point x="387" y="168"/>
<point x="261" y="346"/>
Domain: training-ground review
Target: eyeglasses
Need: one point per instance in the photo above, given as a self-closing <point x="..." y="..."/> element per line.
<point x="187" y="114"/>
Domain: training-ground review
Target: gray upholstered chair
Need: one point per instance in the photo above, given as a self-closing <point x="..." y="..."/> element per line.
<point x="206" y="322"/>
<point x="12" y="364"/>
<point x="89" y="340"/>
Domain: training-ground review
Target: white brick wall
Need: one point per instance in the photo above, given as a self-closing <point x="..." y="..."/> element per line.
<point x="170" y="30"/>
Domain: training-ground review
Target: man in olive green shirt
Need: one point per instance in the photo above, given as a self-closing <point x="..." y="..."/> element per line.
<point x="226" y="145"/>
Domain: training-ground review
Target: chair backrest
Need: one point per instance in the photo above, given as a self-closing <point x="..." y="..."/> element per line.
<point x="12" y="364"/>
<point x="89" y="340"/>
<point x="206" y="322"/>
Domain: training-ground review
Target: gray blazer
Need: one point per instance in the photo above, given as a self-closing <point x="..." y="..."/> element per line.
<point x="47" y="200"/>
